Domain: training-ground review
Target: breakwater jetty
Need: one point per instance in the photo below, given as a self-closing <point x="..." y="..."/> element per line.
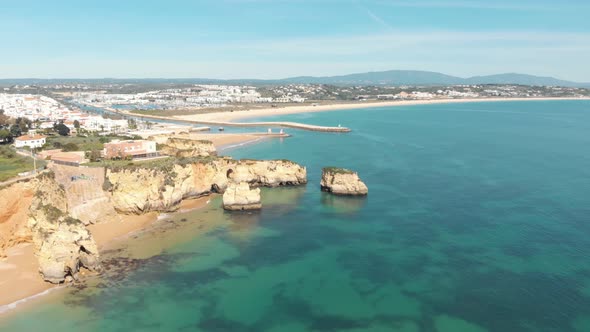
<point x="295" y="125"/>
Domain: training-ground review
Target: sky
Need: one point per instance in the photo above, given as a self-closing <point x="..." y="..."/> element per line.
<point x="285" y="38"/>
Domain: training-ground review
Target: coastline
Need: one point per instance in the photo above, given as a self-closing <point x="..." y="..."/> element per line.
<point x="25" y="283"/>
<point x="264" y="112"/>
<point x="20" y="280"/>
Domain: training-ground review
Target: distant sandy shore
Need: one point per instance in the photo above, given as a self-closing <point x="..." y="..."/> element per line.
<point x="19" y="272"/>
<point x="256" y="113"/>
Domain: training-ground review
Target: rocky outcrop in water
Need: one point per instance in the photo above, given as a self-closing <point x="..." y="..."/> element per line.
<point x="140" y="189"/>
<point x="239" y="197"/>
<point x="340" y="181"/>
<point x="63" y="244"/>
<point x="185" y="148"/>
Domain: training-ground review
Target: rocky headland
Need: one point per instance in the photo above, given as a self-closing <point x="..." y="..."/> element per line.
<point x="162" y="185"/>
<point x="53" y="211"/>
<point x="341" y="181"/>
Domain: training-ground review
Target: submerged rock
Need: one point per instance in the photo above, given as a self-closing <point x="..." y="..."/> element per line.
<point x="341" y="181"/>
<point x="239" y="196"/>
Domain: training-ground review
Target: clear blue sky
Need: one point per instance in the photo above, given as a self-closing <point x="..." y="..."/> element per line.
<point x="281" y="38"/>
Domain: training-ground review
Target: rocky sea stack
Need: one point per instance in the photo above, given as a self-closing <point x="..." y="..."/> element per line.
<point x="239" y="197"/>
<point x="341" y="181"/>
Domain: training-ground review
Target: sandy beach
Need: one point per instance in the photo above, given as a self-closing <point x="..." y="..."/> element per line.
<point x="255" y="113"/>
<point x="20" y="277"/>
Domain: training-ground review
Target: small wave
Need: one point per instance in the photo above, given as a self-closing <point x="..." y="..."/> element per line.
<point x="163" y="216"/>
<point x="13" y="305"/>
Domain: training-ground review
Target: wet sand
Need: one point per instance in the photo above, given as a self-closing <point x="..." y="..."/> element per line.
<point x="19" y="272"/>
<point x="20" y="275"/>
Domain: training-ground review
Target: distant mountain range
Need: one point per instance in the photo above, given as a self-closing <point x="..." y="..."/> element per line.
<point x="412" y="77"/>
<point x="391" y="77"/>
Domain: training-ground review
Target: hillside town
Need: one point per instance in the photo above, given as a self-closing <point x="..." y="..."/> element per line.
<point x="198" y="96"/>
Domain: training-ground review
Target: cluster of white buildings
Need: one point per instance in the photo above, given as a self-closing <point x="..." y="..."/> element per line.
<point x="198" y="96"/>
<point x="33" y="107"/>
<point x="458" y="94"/>
<point x="45" y="112"/>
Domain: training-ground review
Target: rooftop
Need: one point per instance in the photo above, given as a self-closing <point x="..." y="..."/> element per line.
<point x="29" y="137"/>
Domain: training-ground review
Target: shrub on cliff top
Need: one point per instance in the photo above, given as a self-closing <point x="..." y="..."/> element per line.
<point x="337" y="170"/>
<point x="163" y="164"/>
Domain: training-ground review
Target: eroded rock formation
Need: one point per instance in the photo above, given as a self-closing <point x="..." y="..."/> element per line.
<point x="239" y="197"/>
<point x="140" y="190"/>
<point x="184" y="148"/>
<point x="52" y="210"/>
<point x="63" y="244"/>
<point x="340" y="181"/>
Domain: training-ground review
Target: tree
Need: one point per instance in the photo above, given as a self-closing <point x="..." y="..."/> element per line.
<point x="94" y="155"/>
<point x="5" y="136"/>
<point x="15" y="130"/>
<point x="132" y="123"/>
<point x="77" y="125"/>
<point x="3" y="118"/>
<point x="24" y="124"/>
<point x="63" y="130"/>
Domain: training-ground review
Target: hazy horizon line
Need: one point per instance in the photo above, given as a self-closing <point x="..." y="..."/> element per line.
<point x="282" y="78"/>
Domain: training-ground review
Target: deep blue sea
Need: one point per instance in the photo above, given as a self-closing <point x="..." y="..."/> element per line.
<point x="477" y="219"/>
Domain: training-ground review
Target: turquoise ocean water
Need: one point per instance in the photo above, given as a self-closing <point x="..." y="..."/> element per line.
<point x="477" y="219"/>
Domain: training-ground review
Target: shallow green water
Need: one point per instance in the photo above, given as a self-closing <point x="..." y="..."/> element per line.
<point x="478" y="219"/>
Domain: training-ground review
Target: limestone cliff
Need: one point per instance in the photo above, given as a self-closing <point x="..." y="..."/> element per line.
<point x="239" y="197"/>
<point x="63" y="244"/>
<point x="340" y="181"/>
<point x="86" y="198"/>
<point x="14" y="206"/>
<point x="267" y="173"/>
<point x="140" y="189"/>
<point x="184" y="148"/>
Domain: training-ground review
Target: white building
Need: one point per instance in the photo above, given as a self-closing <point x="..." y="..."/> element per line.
<point x="31" y="141"/>
<point x="97" y="123"/>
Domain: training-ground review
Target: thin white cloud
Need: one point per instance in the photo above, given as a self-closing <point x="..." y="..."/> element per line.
<point x="379" y="20"/>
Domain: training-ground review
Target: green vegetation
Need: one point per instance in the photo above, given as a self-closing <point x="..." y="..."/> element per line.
<point x="161" y="164"/>
<point x="81" y="142"/>
<point x="202" y="141"/>
<point x="11" y="163"/>
<point x="55" y="215"/>
<point x="75" y="143"/>
<point x="337" y="170"/>
<point x="5" y="136"/>
<point x="62" y="129"/>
